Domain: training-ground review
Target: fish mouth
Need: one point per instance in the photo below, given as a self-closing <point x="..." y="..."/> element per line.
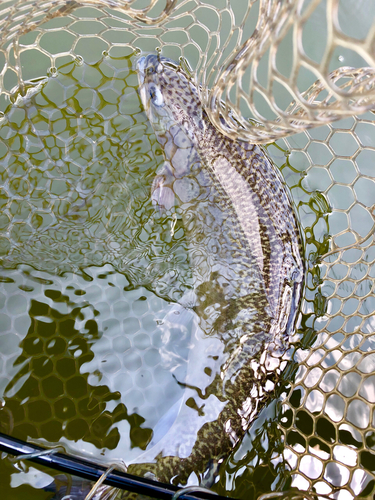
<point x="142" y="64"/>
<point x="140" y="67"/>
<point x="151" y="96"/>
<point x="149" y="60"/>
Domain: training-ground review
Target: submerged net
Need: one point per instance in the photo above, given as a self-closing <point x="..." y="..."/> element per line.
<point x="83" y="251"/>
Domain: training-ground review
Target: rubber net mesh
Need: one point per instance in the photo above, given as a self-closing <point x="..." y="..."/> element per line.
<point x="78" y="245"/>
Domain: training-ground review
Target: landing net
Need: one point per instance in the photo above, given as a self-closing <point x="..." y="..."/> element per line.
<point x="298" y="72"/>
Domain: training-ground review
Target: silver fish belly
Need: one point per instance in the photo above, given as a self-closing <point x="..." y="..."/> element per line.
<point x="245" y="252"/>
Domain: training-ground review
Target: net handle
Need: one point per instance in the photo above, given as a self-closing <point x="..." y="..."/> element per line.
<point x="93" y="472"/>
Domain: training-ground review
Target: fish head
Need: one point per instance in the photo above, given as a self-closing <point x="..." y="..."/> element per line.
<point x="169" y="98"/>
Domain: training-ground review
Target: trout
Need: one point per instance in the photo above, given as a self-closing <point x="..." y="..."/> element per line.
<point x="246" y="258"/>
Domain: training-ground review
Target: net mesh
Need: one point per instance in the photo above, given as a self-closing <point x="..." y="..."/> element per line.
<point x="276" y="76"/>
<point x="77" y="160"/>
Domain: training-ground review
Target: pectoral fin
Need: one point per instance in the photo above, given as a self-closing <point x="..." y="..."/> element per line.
<point x="162" y="193"/>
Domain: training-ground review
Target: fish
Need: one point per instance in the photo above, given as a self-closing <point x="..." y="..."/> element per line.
<point x="246" y="257"/>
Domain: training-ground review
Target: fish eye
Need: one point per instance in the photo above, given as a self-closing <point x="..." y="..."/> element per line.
<point x="156" y="96"/>
<point x="150" y="70"/>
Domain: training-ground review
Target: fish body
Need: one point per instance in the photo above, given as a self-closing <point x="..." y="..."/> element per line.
<point x="245" y="253"/>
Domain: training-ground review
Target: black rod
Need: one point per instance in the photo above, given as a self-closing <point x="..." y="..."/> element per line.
<point x="91" y="471"/>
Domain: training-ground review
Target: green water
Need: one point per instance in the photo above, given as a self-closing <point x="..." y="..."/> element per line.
<point x="84" y="254"/>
